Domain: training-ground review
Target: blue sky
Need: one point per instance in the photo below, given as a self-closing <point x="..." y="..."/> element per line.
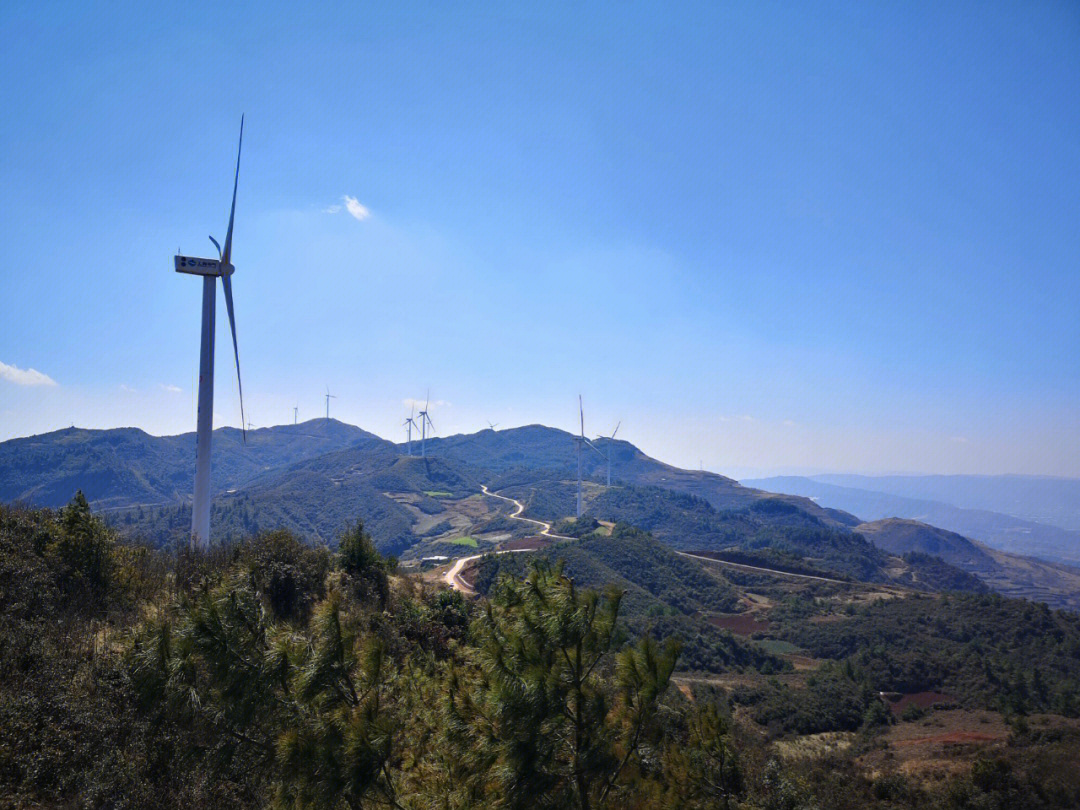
<point x="767" y="237"/>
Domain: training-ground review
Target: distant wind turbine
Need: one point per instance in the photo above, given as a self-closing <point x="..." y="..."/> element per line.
<point x="409" y="424"/>
<point x="295" y="411"/>
<point x="493" y="425"/>
<point x="610" y="450"/>
<point x="582" y="442"/>
<point x="210" y="270"/>
<point x="425" y="422"/>
<point x="329" y="397"/>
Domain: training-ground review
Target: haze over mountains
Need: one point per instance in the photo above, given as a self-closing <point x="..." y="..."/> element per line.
<point x="1039" y="498"/>
<point x="316" y="477"/>
<point x="878" y="499"/>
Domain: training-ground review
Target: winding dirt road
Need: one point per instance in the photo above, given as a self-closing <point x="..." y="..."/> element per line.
<point x="453" y="576"/>
<point x="773" y="571"/>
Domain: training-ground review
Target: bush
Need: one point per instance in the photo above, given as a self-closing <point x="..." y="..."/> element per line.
<point x="364" y="565"/>
<point x="912" y="712"/>
<point x="290" y="574"/>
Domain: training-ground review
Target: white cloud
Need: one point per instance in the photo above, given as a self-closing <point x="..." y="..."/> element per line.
<point x="419" y="404"/>
<point x="358" y="211"/>
<point x="127" y="388"/>
<point x="172" y="389"/>
<point x="331" y="209"/>
<point x="28" y="376"/>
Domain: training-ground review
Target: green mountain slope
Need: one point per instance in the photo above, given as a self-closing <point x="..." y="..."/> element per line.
<point x="1009" y="574"/>
<point x="665" y="594"/>
<point x="553" y="453"/>
<point x="126" y="466"/>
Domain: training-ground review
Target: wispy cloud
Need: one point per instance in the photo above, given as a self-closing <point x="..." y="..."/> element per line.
<point x="355" y="209"/>
<point x="172" y="389"/>
<point x="419" y="403"/>
<point x="28" y="376"/>
<point x="958" y="439"/>
<point x="127" y="388"/>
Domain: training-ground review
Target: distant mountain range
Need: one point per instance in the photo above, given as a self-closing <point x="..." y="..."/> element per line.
<point x="315" y="478"/>
<point x="1001" y="531"/>
<point x="1037" y="498"/>
<point x="1010" y="574"/>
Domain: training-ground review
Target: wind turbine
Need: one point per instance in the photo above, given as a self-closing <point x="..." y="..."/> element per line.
<point x="295" y="411"/>
<point x="493" y="425"/>
<point x="210" y="270"/>
<point x="581" y="443"/>
<point x="329" y="397"/>
<point x="607" y="455"/>
<point x="409" y="424"/>
<point x="425" y="422"/>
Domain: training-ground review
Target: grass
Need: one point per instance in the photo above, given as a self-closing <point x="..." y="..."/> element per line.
<point x="776" y="647"/>
<point x="464" y="541"/>
<point x="437" y="493"/>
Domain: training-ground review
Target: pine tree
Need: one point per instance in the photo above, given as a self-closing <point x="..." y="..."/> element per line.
<point x="545" y="716"/>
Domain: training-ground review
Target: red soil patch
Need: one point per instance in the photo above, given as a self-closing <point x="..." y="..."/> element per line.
<point x="468" y="576"/>
<point x="924" y="700"/>
<point x="688" y="693"/>
<point x="742" y="624"/>
<point x="950" y="737"/>
<point x="525" y="543"/>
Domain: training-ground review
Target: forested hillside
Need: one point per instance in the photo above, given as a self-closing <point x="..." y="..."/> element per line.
<point x="313" y="477"/>
<point x="274" y="673"/>
<point x="126" y="466"/>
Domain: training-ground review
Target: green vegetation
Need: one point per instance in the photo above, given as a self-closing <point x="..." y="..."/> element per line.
<point x="464" y="541"/>
<point x="312" y="479"/>
<point x="272" y="673"/>
<point x="989" y="651"/>
<point x="665" y="595"/>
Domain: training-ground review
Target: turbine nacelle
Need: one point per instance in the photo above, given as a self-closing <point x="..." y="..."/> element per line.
<point x="198" y="267"/>
<point x="195" y="266"/>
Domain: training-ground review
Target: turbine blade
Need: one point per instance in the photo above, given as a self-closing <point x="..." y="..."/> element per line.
<point x="597" y="449"/>
<point x="226" y="282"/>
<point x="582" y="409"/>
<point x="226" y="256"/>
<point x="212" y="239"/>
<point x="616" y="430"/>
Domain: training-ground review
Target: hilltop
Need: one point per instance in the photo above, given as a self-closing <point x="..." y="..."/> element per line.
<point x="1009" y="574"/>
<point x="316" y="478"/>
<point x="127" y="466"/>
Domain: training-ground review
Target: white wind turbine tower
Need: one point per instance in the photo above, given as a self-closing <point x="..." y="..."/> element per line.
<point x="425" y="422"/>
<point x="581" y="443"/>
<point x="210" y="270"/>
<point x="409" y="424"/>
<point x="610" y="449"/>
<point x="295" y="412"/>
<point x="329" y="397"/>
